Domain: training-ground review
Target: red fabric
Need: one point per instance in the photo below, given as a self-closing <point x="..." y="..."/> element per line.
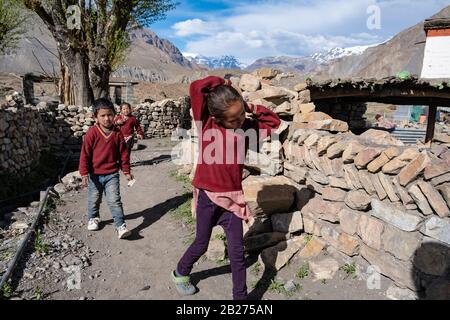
<point x="223" y="177"/>
<point x="104" y="155"/>
<point x="128" y="127"/>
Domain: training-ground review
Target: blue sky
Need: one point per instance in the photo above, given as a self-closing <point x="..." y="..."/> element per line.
<point x="253" y="29"/>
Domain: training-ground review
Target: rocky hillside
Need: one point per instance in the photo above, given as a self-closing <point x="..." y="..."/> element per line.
<point x="403" y="52"/>
<point x="149" y="58"/>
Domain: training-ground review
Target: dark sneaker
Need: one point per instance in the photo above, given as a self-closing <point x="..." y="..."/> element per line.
<point x="183" y="284"/>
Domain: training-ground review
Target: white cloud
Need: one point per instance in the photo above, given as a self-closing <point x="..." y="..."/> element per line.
<point x="296" y="28"/>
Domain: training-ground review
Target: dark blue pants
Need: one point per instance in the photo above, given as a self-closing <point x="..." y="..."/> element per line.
<point x="209" y="215"/>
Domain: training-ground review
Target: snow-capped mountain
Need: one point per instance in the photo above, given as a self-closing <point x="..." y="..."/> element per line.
<point x="224" y="62"/>
<point x="336" y="53"/>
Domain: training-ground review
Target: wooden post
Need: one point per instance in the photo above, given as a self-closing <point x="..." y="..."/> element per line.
<point x="118" y="94"/>
<point x="432" y="110"/>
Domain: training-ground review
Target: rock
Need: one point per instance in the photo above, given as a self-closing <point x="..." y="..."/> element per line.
<point x="324" y="269"/>
<point x="311" y="140"/>
<point x="249" y="83"/>
<point x="301" y="86"/>
<point x="311" y="116"/>
<point x="365" y="157"/>
<point x="332" y="125"/>
<point x="370" y="230"/>
<point x="277" y="256"/>
<point x="441" y="137"/>
<point x="267" y="195"/>
<point x="295" y="173"/>
<point x="290" y="286"/>
<point x="433" y="258"/>
<point x="216" y="250"/>
<point x="348" y="244"/>
<point x="436" y="169"/>
<point x="325" y="142"/>
<point x="399" y="271"/>
<point x="380" y="137"/>
<point x="440" y="179"/>
<point x="358" y="200"/>
<point x="349" y="220"/>
<point x="413" y="169"/>
<point x="307" y="108"/>
<point x="400" y="243"/>
<point x="445" y="192"/>
<point x="304" y="97"/>
<point x="388" y="187"/>
<point x="394" y="166"/>
<point x="333" y="194"/>
<point x="404" y="195"/>
<point x="434" y="199"/>
<point x="352" y="150"/>
<point x="406" y="221"/>
<point x="366" y="182"/>
<point x="261" y="241"/>
<point x="318" y="177"/>
<point x="336" y="150"/>
<point x="287" y="222"/>
<point x="266" y="73"/>
<point x="420" y="200"/>
<point x="327" y="166"/>
<point x="396" y="293"/>
<point x="312" y="249"/>
<point x="352" y="177"/>
<point x="338" y="183"/>
<point x="325" y="210"/>
<point x="438" y="229"/>
<point x="378" y="163"/>
<point x="60" y="188"/>
<point x="19" y="225"/>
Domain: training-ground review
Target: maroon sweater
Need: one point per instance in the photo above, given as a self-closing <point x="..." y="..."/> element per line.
<point x="128" y="127"/>
<point x="223" y="177"/>
<point x="101" y="154"/>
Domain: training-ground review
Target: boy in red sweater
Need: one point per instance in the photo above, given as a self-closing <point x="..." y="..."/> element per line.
<point x="128" y="123"/>
<point x="103" y="153"/>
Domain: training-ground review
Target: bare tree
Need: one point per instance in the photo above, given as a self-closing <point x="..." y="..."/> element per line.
<point x="91" y="37"/>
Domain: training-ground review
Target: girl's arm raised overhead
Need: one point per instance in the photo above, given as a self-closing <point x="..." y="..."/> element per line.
<point x="265" y="120"/>
<point x="198" y="91"/>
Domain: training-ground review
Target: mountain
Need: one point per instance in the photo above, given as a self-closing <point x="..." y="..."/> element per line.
<point x="402" y="52"/>
<point x="148" y="59"/>
<point x="224" y="62"/>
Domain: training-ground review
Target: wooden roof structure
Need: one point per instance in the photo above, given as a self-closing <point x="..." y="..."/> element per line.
<point x="391" y="90"/>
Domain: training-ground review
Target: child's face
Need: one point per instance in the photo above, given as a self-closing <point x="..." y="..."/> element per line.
<point x="234" y="117"/>
<point x="126" y="110"/>
<point x="105" y="118"/>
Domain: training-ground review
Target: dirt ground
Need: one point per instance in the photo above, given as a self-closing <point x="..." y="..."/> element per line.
<point x="139" y="267"/>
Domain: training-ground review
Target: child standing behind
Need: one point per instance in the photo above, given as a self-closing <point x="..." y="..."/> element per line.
<point x="103" y="153"/>
<point x="128" y="123"/>
<point x="218" y="107"/>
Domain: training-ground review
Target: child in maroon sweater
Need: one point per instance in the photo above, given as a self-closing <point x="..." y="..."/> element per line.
<point x="128" y="123"/>
<point x="103" y="154"/>
<point x="220" y="115"/>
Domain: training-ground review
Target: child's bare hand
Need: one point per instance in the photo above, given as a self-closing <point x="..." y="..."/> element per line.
<point x="129" y="177"/>
<point x="84" y="181"/>
<point x="140" y="137"/>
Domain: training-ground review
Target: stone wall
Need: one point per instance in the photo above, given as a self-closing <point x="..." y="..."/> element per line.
<point x="27" y="130"/>
<point x="366" y="197"/>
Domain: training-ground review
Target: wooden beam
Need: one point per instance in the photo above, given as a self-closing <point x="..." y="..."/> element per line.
<point x="431" y="123"/>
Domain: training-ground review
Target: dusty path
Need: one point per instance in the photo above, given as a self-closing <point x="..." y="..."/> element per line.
<point x="138" y="268"/>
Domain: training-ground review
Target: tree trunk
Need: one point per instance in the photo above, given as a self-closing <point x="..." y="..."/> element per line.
<point x="77" y="87"/>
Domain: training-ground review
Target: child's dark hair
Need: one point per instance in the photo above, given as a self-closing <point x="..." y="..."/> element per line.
<point x="102" y="103"/>
<point x="378" y="116"/>
<point x="220" y="98"/>
<point x="125" y="104"/>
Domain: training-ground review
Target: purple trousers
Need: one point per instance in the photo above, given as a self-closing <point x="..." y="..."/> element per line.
<point x="209" y="215"/>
